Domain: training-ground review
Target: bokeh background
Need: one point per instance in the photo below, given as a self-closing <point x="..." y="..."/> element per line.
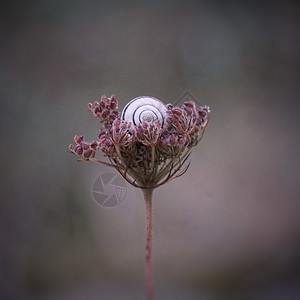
<point x="229" y="228"/>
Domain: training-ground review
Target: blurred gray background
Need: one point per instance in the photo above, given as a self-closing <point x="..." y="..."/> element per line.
<point x="229" y="228"/>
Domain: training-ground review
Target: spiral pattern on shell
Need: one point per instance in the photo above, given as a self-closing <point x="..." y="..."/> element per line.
<point x="145" y="109"/>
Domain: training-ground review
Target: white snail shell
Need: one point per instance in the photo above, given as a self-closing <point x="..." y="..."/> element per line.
<point x="145" y="109"/>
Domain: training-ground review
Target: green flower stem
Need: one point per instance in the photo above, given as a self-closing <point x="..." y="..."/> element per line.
<point x="149" y="272"/>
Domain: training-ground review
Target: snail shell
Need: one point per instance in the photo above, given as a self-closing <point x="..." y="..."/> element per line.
<point x="145" y="109"/>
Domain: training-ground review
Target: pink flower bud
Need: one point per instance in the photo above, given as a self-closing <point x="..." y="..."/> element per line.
<point x="78" y="151"/>
<point x="87" y="153"/>
<point x="105" y="113"/>
<point x="139" y="129"/>
<point x="94" y="145"/>
<point x="107" y="143"/>
<point x="177" y="111"/>
<point x="189" y="104"/>
<point x="188" y="110"/>
<point x="85" y="145"/>
<point x="79" y="139"/>
<point x="201" y="113"/>
<point x="113" y="103"/>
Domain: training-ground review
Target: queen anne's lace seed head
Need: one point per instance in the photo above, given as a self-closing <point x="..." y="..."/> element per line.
<point x="106" y="110"/>
<point x="149" y="145"/>
<point x="83" y="149"/>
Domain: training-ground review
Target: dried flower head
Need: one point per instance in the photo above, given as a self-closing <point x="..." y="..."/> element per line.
<point x="152" y="148"/>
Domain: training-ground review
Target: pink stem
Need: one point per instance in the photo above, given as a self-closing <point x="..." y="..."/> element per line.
<point x="149" y="272"/>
